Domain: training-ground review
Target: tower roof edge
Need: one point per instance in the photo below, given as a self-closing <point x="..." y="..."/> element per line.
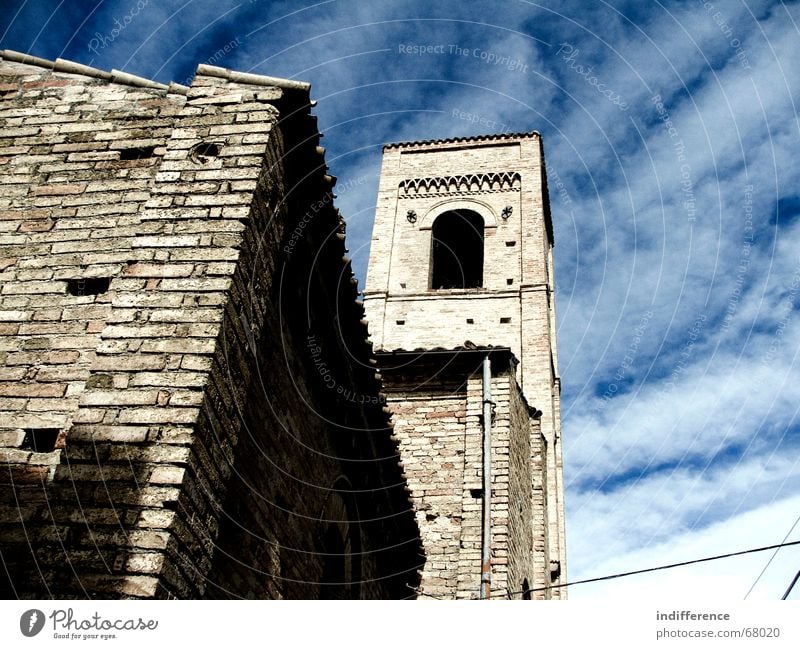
<point x="457" y="140"/>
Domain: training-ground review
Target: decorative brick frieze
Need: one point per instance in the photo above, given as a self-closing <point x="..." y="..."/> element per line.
<point x="462" y="185"/>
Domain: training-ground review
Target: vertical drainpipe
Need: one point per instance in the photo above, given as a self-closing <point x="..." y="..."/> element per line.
<point x="486" y="550"/>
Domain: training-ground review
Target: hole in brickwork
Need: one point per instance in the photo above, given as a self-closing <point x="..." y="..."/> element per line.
<point x="40" y="440"/>
<point x="400" y="322"/>
<point x="511" y="244"/>
<point x="137" y="153"/>
<point x="505" y="320"/>
<point x="402" y="285"/>
<point x="430" y="517"/>
<point x="470" y="321"/>
<point x="204" y="152"/>
<point x="88" y="285"/>
<point x="7" y="93"/>
<point x="526" y="589"/>
<point x="509" y="281"/>
<point x="476" y="493"/>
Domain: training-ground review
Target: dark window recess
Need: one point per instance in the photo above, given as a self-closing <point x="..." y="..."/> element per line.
<point x="526" y="590"/>
<point x="511" y="244"/>
<point x="400" y="322"/>
<point x="40" y="440"/>
<point x="509" y="281"/>
<point x="505" y="320"/>
<point x="457" y="254"/>
<point x="334" y="567"/>
<point x="470" y="321"/>
<point x="476" y="493"/>
<point x="137" y="153"/>
<point x="402" y="285"/>
<point x="88" y="285"/>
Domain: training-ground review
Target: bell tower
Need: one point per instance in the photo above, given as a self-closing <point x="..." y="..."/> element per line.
<point x="460" y="303"/>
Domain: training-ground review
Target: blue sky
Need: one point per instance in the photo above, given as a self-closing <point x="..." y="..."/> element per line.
<point x="671" y="133"/>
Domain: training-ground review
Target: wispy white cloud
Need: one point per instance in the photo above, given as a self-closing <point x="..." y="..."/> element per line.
<point x="716" y="581"/>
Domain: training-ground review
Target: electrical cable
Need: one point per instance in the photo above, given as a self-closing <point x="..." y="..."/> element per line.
<point x="794" y="581"/>
<point x="644" y="570"/>
<point x="774" y="554"/>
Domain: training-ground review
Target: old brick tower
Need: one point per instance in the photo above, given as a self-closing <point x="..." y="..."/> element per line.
<point x="459" y="299"/>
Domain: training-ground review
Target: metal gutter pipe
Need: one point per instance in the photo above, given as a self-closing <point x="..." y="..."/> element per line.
<point x="486" y="550"/>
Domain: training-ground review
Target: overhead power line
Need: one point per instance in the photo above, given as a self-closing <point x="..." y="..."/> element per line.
<point x="774" y="554"/>
<point x="794" y="581"/>
<point x="666" y="567"/>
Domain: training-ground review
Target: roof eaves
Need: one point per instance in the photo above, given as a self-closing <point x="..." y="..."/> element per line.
<point x="72" y="67"/>
<point x="460" y="349"/>
<point x="253" y="79"/>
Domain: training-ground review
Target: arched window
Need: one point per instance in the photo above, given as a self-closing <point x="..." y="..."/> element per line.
<point x="457" y="255"/>
<point x="340" y="545"/>
<point x="334" y="566"/>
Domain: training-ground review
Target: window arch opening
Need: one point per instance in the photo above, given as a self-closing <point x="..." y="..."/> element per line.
<point x="334" y="566"/>
<point x="457" y="250"/>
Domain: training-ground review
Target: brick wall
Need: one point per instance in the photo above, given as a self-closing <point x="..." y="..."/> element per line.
<point x="437" y="401"/>
<point x="150" y="382"/>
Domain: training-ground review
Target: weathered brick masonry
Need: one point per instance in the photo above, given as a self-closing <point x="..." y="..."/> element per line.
<point x="180" y="415"/>
<point x="437" y="400"/>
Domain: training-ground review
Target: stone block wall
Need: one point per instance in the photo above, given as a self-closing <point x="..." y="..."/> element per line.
<point x="150" y="382"/>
